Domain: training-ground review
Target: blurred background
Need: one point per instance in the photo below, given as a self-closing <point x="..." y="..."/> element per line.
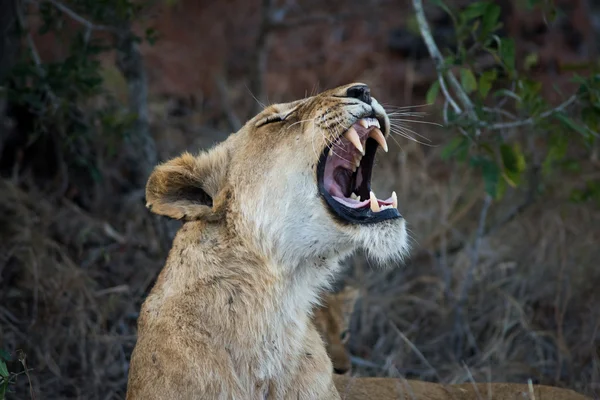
<point x="494" y="159"/>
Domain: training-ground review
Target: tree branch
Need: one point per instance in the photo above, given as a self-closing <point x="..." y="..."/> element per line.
<point x="142" y="149"/>
<point x="529" y="121"/>
<point x="438" y="59"/>
<point x="76" y="17"/>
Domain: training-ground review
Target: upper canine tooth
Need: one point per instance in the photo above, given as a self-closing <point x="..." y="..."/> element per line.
<point x="353" y="137"/>
<point x="374" y="202"/>
<point x="394" y="200"/>
<point x="363" y="122"/>
<point x="379" y="138"/>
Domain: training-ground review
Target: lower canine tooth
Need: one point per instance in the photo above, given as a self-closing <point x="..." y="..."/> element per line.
<point x="394" y="200"/>
<point x="374" y="202"/>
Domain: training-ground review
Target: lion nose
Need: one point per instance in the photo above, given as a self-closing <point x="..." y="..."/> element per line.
<point x="341" y="371"/>
<point x="361" y="92"/>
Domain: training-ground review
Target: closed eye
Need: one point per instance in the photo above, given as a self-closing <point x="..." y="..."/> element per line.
<point x="274" y="118"/>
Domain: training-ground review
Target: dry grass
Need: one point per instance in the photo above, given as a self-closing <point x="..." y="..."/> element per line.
<point x="530" y="311"/>
<point x="72" y="283"/>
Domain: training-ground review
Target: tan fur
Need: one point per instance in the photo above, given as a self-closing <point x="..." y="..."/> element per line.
<point x="228" y="317"/>
<point x="397" y="389"/>
<point x="332" y="319"/>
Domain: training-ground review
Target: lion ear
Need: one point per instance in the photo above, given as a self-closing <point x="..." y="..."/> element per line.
<point x="186" y="187"/>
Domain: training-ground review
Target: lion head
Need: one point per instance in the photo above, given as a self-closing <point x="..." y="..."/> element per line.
<point x="294" y="182"/>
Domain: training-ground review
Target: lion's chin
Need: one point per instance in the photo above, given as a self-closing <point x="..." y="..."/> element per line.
<point x="385" y="243"/>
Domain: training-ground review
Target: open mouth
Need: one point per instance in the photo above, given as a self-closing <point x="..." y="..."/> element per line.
<point x="344" y="175"/>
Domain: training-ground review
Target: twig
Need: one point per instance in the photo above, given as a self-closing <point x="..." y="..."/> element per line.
<point x="438" y="59"/>
<point x="22" y="359"/>
<point x="469" y="274"/>
<point x="487" y="201"/>
<point x="76" y="17"/>
<point x="472" y="380"/>
<point x="416" y="350"/>
<point x="364" y="363"/>
<point x="316" y="19"/>
<point x="529" y="121"/>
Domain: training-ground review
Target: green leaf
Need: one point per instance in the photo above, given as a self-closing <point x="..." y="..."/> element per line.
<point x="3" y="389"/>
<point x="432" y="93"/>
<point x="490" y="19"/>
<point x="475" y="10"/>
<point x="512" y="157"/>
<point x="468" y="80"/>
<point x="486" y="81"/>
<point x="459" y="143"/>
<point x="531" y="60"/>
<point x="443" y="6"/>
<point x="507" y="53"/>
<point x="5" y="355"/>
<point x="500" y="189"/>
<point x="514" y="163"/>
<point x="557" y="150"/>
<point x="490" y="172"/>
<point x="4" y="370"/>
<point x="569" y="123"/>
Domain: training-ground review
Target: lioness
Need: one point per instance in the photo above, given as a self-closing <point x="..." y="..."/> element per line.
<point x="332" y="319"/>
<point x="268" y="213"/>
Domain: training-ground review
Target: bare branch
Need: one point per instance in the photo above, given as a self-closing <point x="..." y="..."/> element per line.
<point x="142" y="149"/>
<point x="529" y="121"/>
<point x="317" y="19"/>
<point x="438" y="59"/>
<point x="475" y="250"/>
<point x="76" y="17"/>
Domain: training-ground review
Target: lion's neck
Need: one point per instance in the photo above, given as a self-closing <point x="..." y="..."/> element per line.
<point x="258" y="308"/>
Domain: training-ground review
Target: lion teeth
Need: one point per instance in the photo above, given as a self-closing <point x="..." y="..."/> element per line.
<point x="374" y="202"/>
<point x="379" y="138"/>
<point x="353" y="137"/>
<point x="368" y="122"/>
<point x="394" y="200"/>
<point x="353" y="196"/>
